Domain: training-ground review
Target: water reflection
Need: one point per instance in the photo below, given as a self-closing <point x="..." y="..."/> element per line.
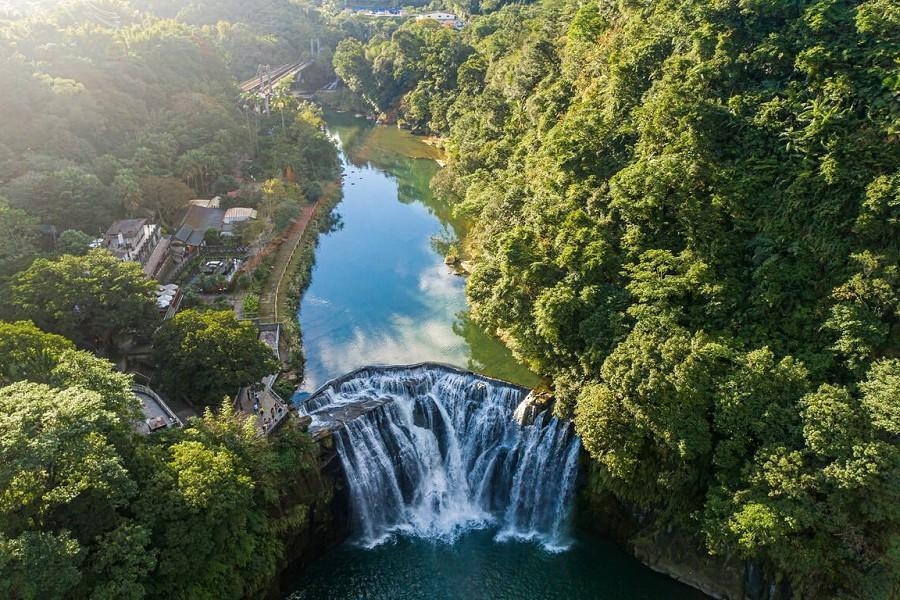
<point x="380" y="291"/>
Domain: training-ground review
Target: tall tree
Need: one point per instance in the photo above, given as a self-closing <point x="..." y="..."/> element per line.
<point x="204" y="356"/>
<point x="94" y="300"/>
<point x="163" y="197"/>
<point x="18" y="239"/>
<point x="27" y="353"/>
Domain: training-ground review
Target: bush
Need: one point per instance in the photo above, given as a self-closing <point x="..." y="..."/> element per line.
<point x="225" y="184"/>
<point x="251" y="304"/>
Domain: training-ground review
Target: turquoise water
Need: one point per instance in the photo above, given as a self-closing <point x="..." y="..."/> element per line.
<point x="478" y="568"/>
<point x="381" y="294"/>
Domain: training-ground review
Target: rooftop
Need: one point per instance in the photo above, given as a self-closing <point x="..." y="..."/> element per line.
<point x="203" y="218"/>
<point x="189" y="235"/>
<point x="206" y="203"/>
<point x="127" y="227"/>
<point x="239" y="214"/>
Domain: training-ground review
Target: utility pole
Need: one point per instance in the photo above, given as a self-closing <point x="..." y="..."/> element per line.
<point x="265" y="74"/>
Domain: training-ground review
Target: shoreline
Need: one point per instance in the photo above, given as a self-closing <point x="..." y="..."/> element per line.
<point x="294" y="279"/>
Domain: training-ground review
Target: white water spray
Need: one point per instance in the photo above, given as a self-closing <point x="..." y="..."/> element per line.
<point x="436" y="452"/>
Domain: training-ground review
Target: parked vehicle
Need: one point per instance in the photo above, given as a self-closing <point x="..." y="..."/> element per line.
<point x="212" y="266"/>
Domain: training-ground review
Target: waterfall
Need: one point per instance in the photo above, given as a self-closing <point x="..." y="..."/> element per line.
<point x="432" y="452"/>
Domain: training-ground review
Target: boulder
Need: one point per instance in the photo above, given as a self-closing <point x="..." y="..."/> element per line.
<point x="303" y="422"/>
<point x="533" y="404"/>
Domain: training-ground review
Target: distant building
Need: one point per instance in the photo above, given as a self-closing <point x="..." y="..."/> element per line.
<point x="206" y="203"/>
<point x="238" y="215"/>
<point x="444" y="18"/>
<point x="200" y="219"/>
<point x="196" y="222"/>
<point x="132" y="239"/>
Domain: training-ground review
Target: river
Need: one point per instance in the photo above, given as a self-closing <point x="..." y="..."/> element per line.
<point x="381" y="294"/>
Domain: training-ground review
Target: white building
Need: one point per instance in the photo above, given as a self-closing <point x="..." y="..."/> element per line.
<point x="206" y="202"/>
<point x="132" y="239"/>
<point x="444" y="18"/>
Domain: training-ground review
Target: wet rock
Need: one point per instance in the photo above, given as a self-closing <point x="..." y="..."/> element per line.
<point x="533" y="404"/>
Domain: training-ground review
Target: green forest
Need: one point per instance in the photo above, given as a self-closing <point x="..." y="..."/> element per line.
<point x="91" y="509"/>
<point x="686" y="214"/>
<point x="683" y="214"/>
<point x="110" y="110"/>
<point x="114" y="110"/>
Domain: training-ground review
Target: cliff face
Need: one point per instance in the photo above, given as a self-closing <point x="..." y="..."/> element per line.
<point x="326" y="523"/>
<point x="670" y="552"/>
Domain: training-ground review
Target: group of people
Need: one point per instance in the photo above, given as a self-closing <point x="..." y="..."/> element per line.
<point x="275" y="412"/>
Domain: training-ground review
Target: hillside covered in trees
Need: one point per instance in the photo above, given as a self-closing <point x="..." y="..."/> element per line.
<point x="91" y="508"/>
<point x="115" y="109"/>
<point x="686" y="214"/>
<point x="111" y="109"/>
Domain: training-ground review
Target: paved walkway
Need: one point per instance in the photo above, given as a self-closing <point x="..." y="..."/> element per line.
<point x="265" y="405"/>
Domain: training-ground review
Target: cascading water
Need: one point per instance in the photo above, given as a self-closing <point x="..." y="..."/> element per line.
<point x="432" y="452"/>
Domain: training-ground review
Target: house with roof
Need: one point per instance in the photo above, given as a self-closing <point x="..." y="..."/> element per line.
<point x="206" y="202"/>
<point x="200" y="219"/>
<point x="446" y="19"/>
<point x="196" y="222"/>
<point x="238" y="215"/>
<point x="136" y="240"/>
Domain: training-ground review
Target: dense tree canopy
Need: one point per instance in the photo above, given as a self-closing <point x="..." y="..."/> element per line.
<point x="114" y="109"/>
<point x="96" y="108"/>
<point x="26" y="352"/>
<point x="412" y="69"/>
<point x="131" y="108"/>
<point x="93" y="299"/>
<point x="91" y="509"/>
<point x="685" y="216"/>
<point x="18" y="239"/>
<point x="204" y="356"/>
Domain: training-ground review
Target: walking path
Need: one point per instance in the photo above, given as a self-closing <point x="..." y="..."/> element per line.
<point x="268" y="298"/>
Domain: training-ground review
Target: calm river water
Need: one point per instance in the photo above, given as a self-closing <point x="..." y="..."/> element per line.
<point x="380" y="291"/>
<point x="381" y="294"/>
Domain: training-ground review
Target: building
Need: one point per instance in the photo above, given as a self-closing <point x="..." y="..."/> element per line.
<point x="196" y="222"/>
<point x="444" y="18"/>
<point x="200" y="219"/>
<point x="238" y="215"/>
<point x="206" y="203"/>
<point x="133" y="239"/>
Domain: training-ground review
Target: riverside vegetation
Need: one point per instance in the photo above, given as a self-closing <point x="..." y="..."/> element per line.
<point x="112" y="109"/>
<point x="687" y="216"/>
<point x="90" y="508"/>
<point x="684" y="214"/>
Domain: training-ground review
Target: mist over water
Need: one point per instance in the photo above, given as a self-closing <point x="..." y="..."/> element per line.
<point x="441" y="454"/>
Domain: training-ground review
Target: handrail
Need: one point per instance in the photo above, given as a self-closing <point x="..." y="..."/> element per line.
<point x="290" y="259"/>
<point x="137" y="387"/>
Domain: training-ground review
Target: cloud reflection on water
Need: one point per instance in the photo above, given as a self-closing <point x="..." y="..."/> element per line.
<point x="405" y="340"/>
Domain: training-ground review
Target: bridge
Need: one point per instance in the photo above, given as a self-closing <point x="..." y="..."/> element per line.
<point x="263" y="85"/>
